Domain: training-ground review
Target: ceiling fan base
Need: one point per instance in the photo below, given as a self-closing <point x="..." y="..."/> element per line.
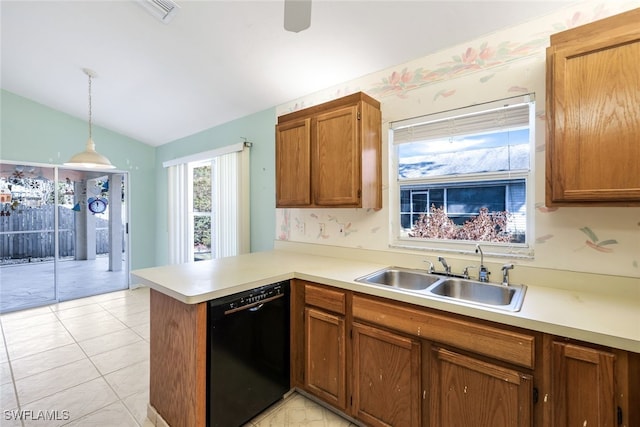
<point x="297" y="15"/>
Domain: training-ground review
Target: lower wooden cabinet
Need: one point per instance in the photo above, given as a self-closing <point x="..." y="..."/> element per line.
<point x="325" y="356"/>
<point x="388" y="363"/>
<point x="465" y="391"/>
<point x="386" y="378"/>
<point x="583" y="386"/>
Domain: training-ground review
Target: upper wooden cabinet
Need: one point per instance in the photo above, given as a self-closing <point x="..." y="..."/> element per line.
<point x="329" y="155"/>
<point x="593" y="114"/>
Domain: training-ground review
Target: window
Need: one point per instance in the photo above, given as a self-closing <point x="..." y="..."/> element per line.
<point x="464" y="175"/>
<point x="201" y="212"/>
<point x="209" y="204"/>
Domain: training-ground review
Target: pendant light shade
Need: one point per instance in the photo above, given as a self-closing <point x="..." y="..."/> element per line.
<point x="90" y="158"/>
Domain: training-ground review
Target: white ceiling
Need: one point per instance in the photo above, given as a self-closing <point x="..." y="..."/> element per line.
<point x="220" y="60"/>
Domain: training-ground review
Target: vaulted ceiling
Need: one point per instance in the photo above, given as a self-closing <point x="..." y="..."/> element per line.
<point x="219" y="60"/>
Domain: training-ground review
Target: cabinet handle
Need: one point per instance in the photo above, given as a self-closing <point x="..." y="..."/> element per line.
<point x="619" y="414"/>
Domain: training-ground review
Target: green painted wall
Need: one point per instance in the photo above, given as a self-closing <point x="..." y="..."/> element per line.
<point x="258" y="128"/>
<point x="31" y="132"/>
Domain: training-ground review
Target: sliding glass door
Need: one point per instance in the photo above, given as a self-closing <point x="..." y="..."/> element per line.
<point x="27" y="236"/>
<point x="92" y="254"/>
<point x="63" y="234"/>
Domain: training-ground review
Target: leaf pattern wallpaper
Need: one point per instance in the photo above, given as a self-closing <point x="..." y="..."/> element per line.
<point x="503" y="64"/>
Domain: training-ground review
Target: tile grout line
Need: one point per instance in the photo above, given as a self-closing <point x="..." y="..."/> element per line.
<point x="13" y="381"/>
<point x="75" y="341"/>
<point x="119" y="399"/>
<point x="86" y="356"/>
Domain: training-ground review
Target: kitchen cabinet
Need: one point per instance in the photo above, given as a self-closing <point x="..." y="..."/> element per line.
<point x="330" y="155"/>
<point x="386" y="377"/>
<point x="583" y="386"/>
<point x="293" y="163"/>
<point x="325" y="340"/>
<point x="468" y="391"/>
<point x="475" y="385"/>
<point x="593" y="114"/>
<point x="387" y="362"/>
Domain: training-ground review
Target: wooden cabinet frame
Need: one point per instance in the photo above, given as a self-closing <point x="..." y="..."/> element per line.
<point x="593" y="114"/>
<point x="526" y="365"/>
<point x="386" y="377"/>
<point x="330" y="155"/>
<point x="468" y="391"/>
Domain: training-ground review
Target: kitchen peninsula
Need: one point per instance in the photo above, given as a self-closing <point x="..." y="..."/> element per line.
<point x="564" y="319"/>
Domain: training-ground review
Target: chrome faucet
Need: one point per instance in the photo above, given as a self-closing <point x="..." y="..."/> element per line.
<point x="505" y="274"/>
<point x="447" y="267"/>
<point x="483" y="274"/>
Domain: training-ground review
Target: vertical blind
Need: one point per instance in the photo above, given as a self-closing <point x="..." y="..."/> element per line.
<point x="230" y="221"/>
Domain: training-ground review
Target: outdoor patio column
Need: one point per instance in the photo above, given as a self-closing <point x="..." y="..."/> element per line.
<point x="85" y="224"/>
<point x="116" y="234"/>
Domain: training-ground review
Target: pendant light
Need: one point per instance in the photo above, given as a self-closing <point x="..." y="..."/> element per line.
<point x="90" y="158"/>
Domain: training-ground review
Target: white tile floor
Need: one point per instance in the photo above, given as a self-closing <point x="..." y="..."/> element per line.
<point x="87" y="359"/>
<point x="86" y="363"/>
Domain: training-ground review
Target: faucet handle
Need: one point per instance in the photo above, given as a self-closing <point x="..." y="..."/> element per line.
<point x="430" y="269"/>
<point x="465" y="273"/>
<point x="505" y="273"/>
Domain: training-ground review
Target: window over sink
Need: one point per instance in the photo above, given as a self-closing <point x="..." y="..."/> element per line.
<point x="464" y="176"/>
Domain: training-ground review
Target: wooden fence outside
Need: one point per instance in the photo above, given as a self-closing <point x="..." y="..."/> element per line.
<point x="28" y="233"/>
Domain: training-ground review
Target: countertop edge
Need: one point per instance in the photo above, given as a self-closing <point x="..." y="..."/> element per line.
<point x="540" y="310"/>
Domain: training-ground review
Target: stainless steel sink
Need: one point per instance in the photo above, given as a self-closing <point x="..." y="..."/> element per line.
<point x="402" y="278"/>
<point x="488" y="294"/>
<point x="466" y="291"/>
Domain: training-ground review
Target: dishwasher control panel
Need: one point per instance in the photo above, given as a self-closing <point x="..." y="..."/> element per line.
<point x="251" y="297"/>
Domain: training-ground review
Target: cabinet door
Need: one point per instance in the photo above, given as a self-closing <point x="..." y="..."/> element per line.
<point x="593" y="101"/>
<point x="583" y="386"/>
<point x="325" y="356"/>
<point x="386" y="376"/>
<point x="293" y="163"/>
<point x="337" y="173"/>
<point x="465" y="391"/>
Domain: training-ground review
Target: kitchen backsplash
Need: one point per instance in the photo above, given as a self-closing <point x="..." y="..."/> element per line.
<point x="502" y="64"/>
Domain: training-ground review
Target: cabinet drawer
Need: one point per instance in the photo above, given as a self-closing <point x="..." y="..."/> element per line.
<point x="322" y="297"/>
<point x="506" y="345"/>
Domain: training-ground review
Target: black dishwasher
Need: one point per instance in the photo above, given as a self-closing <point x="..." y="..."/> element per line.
<point x="248" y="353"/>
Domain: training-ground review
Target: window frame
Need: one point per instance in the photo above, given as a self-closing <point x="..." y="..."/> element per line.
<point x="398" y="237"/>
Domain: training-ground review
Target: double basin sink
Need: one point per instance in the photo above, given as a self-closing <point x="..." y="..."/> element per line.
<point x="508" y="298"/>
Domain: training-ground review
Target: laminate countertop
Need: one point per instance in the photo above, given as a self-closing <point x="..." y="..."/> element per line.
<point x="610" y="319"/>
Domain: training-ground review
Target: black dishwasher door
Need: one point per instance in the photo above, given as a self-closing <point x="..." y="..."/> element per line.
<point x="248" y="354"/>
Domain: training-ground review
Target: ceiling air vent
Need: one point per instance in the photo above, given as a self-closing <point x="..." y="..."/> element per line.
<point x="164" y="10"/>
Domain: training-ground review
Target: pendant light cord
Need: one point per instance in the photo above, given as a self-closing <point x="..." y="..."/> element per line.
<point x="90" y="136"/>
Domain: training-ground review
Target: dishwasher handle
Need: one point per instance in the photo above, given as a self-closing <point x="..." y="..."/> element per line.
<point x="255" y="306"/>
